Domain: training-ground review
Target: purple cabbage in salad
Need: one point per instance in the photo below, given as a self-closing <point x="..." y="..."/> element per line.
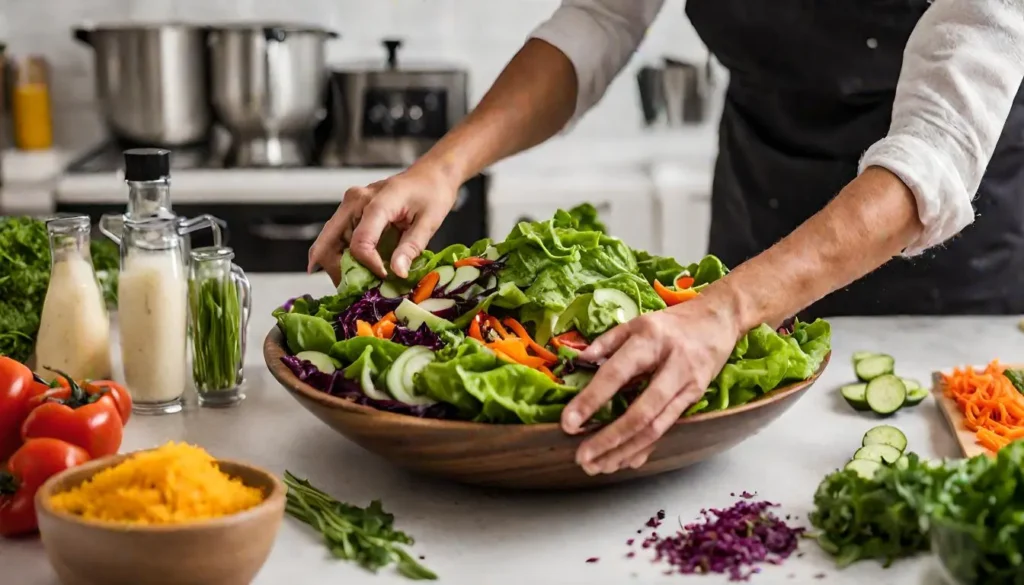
<point x="336" y="384"/>
<point x="371" y="307"/>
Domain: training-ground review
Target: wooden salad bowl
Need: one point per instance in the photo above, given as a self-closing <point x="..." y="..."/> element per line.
<point x="539" y="456"/>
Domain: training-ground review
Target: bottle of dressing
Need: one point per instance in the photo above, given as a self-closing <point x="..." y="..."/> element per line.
<point x="74" y="330"/>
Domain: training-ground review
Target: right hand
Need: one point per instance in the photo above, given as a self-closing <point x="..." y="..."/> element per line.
<point x="415" y="201"/>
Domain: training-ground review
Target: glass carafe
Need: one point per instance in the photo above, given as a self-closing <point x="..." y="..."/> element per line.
<point x="153" y="310"/>
<point x="219" y="306"/>
<point x="74" y="330"/>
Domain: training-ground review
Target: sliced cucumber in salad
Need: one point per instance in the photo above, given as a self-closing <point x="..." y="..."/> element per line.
<point x="392" y="290"/>
<point x="491" y="253"/>
<point x="320" y="360"/>
<point x="463" y="276"/>
<point x="414" y="315"/>
<point x="626" y="308"/>
<point x="400" y="377"/>
<point x="445" y="275"/>
<point x="436" y="305"/>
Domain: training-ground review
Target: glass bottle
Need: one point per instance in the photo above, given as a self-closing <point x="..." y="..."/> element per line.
<point x="74" y="329"/>
<point x="147" y="172"/>
<point x="219" y="304"/>
<point x="30" y="104"/>
<point x="153" y="311"/>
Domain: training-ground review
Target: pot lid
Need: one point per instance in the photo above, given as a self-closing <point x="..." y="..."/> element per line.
<point x="275" y="29"/>
<point x="392" y="62"/>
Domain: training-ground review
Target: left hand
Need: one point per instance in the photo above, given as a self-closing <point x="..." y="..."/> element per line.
<point x="682" y="348"/>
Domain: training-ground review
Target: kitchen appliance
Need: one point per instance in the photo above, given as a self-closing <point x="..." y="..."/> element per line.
<point x="268" y="90"/>
<point x="675" y="94"/>
<point x="270" y="215"/>
<point x="152" y="81"/>
<point x="389" y="115"/>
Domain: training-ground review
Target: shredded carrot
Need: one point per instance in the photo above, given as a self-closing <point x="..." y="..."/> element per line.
<point x="493" y="323"/>
<point x="516" y="350"/>
<point x="992" y="407"/>
<point x="475" y="261"/>
<point x="364" y="329"/>
<point x="426" y="287"/>
<point x="537" y="348"/>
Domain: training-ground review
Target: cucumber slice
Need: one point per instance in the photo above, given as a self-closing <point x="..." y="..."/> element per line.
<point x="903" y="462"/>
<point x="413" y="316"/>
<point x="491" y="253"/>
<point x="436" y="305"/>
<point x="864" y="468"/>
<point x="472" y="291"/>
<point x="854" y="396"/>
<point x="400" y="377"/>
<point x="392" y="290"/>
<point x="492" y="282"/>
<point x="885" y="435"/>
<point x="880" y="453"/>
<point x="464" y="275"/>
<point x="626" y="308"/>
<point x="859" y="355"/>
<point x="911" y="384"/>
<point x="367" y="385"/>
<point x="885" y="394"/>
<point x="320" y="360"/>
<point x="578" y="379"/>
<point x="916" y="396"/>
<point x="874" y="366"/>
<point x="446" y="274"/>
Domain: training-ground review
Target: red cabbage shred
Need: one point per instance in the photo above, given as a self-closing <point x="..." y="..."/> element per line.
<point x="732" y="541"/>
<point x="371" y="308"/>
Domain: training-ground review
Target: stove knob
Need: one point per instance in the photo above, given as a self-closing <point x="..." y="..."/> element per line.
<point x="415" y="112"/>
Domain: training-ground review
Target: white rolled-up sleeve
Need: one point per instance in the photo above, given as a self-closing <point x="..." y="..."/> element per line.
<point x="962" y="68"/>
<point x="598" y="37"/>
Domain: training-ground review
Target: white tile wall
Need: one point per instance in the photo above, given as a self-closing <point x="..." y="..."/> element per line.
<point x="479" y="34"/>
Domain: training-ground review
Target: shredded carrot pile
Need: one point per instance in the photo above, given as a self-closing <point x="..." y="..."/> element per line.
<point x="992" y="407"/>
<point x="172" y="484"/>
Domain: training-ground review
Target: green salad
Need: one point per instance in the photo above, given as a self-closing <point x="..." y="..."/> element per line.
<point x="491" y="332"/>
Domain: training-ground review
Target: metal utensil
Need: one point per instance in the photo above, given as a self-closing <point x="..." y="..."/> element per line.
<point x="676" y="93"/>
<point x="151" y="81"/>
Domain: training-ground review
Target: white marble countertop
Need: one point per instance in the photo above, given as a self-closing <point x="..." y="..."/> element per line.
<point x="472" y="536"/>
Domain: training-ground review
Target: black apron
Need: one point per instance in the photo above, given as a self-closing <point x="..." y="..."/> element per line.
<point x="812" y="84"/>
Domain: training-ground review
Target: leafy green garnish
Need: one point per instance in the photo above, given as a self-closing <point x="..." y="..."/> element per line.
<point x="1016" y="378"/>
<point x="216" y="332"/>
<point x="971" y="512"/>
<point x="364" y="535"/>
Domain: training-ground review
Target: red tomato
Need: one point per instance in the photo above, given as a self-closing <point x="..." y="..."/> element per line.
<point x="15" y="385"/>
<point x="35" y="462"/>
<point x="80" y="418"/>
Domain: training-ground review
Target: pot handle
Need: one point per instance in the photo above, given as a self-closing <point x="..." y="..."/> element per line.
<point x="83" y="35"/>
<point x="274" y="33"/>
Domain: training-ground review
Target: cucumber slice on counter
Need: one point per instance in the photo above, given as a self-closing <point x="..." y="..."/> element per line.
<point x="880" y="453"/>
<point x="436" y="305"/>
<point x="491" y="253"/>
<point x="874" y="366"/>
<point x="911" y="384"/>
<point x="400" y="377"/>
<point x="626" y="309"/>
<point x="854" y="396"/>
<point x="445" y="274"/>
<point x="864" y="468"/>
<point x="885" y="394"/>
<point x="916" y="396"/>
<point x="413" y="316"/>
<point x="464" y="275"/>
<point x="859" y="355"/>
<point x="885" y="435"/>
<point x="320" y="360"/>
<point x="392" y="290"/>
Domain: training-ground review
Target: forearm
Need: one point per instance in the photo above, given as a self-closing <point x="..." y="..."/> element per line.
<point x="871" y="220"/>
<point x="531" y="101"/>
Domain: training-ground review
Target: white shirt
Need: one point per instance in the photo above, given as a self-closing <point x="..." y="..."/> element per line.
<point x="962" y="67"/>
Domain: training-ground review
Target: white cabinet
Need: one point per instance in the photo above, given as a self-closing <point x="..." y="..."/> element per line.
<point x="683" y="196"/>
<point x="624" y="199"/>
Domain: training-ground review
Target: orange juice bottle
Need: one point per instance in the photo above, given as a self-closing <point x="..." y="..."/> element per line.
<point x="30" y="105"/>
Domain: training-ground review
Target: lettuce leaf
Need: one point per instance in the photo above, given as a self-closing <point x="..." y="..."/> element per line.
<point x="305" y="332"/>
<point x="660" y="268"/>
<point x="585" y="218"/>
<point x="355" y="278"/>
<point x="383" y="351"/>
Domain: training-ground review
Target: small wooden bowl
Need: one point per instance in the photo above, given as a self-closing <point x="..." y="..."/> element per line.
<point x="539" y="456"/>
<point x="221" y="551"/>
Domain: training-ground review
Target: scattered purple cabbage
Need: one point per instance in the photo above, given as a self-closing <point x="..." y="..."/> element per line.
<point x="371" y="307"/>
<point x="337" y="385"/>
<point x="422" y="336"/>
<point x="732" y="541"/>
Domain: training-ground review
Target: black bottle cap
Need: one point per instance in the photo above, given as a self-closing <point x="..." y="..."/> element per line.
<point x="146" y="164"/>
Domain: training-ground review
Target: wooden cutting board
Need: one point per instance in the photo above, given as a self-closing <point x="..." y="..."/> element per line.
<point x="951" y="412"/>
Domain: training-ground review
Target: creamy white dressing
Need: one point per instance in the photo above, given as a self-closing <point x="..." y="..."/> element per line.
<point x="74" y="330"/>
<point x="152" y="309"/>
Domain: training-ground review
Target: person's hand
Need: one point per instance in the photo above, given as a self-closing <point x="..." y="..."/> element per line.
<point x="415" y="201"/>
<point x="682" y="348"/>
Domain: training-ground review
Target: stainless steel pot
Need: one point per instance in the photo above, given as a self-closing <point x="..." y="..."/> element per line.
<point x="151" y="81"/>
<point x="268" y="82"/>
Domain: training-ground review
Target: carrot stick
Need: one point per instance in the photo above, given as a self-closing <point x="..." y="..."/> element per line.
<point x="364" y="329"/>
<point x="475" y="261"/>
<point x="426" y="287"/>
<point x="991" y="406"/>
<point x="493" y="323"/>
<point x="537" y="348"/>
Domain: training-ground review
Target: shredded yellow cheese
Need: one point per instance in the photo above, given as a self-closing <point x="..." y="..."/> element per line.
<point x="172" y="484"/>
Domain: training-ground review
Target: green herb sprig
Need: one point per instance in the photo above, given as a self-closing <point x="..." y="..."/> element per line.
<point x="364" y="535"/>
